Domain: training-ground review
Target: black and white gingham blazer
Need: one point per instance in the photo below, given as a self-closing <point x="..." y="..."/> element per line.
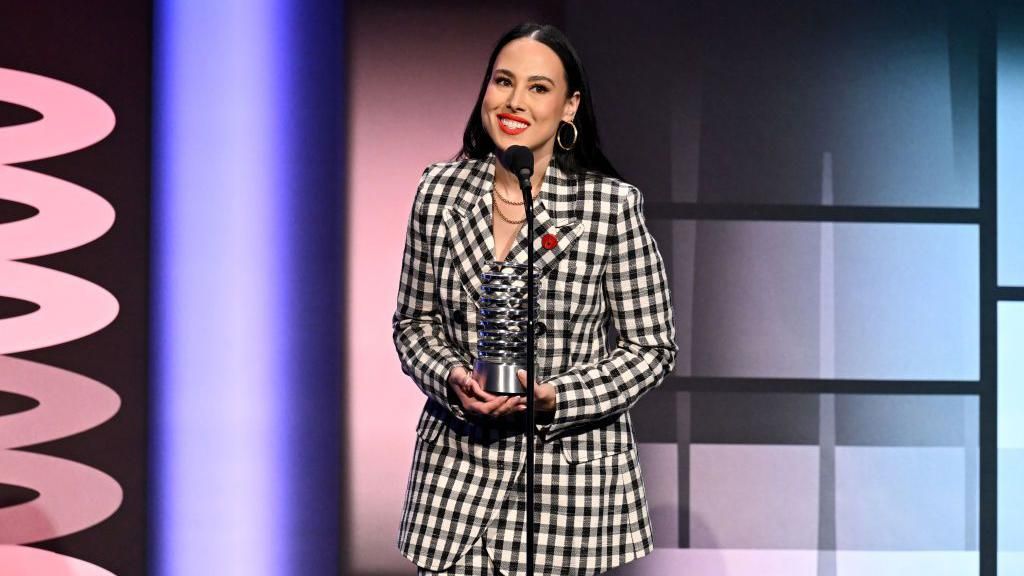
<point x="605" y="265"/>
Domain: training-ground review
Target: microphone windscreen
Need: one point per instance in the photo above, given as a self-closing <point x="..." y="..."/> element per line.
<point x="518" y="159"/>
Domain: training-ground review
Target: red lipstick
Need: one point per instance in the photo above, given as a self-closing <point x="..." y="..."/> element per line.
<point x="509" y="129"/>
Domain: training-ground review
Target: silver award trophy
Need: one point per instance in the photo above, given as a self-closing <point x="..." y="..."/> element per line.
<point x="501" y="328"/>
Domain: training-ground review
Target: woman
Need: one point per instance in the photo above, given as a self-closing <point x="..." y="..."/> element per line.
<point x="465" y="503"/>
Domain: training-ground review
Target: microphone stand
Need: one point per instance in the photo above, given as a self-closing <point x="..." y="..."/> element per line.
<point x="527" y="188"/>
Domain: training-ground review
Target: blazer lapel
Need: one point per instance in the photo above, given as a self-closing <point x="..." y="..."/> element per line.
<point x="555" y="214"/>
<point x="468" y="223"/>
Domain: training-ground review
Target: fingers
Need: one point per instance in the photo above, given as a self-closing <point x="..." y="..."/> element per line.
<point x="497" y="406"/>
<point x="481" y="402"/>
<point x="500" y="406"/>
<point x="457" y="378"/>
<point x="475" y="389"/>
<point x="474" y="397"/>
<point x="543" y="394"/>
<point x="510" y="404"/>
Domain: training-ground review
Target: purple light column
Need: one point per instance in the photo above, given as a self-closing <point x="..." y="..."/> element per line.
<point x="245" y="468"/>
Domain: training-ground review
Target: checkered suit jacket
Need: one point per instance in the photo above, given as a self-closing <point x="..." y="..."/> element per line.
<point x="605" y="266"/>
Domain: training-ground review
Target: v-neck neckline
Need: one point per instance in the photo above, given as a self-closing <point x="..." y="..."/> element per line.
<point x="512" y="241"/>
<point x="520" y="236"/>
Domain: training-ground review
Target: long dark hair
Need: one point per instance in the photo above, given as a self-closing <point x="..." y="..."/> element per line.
<point x="586" y="155"/>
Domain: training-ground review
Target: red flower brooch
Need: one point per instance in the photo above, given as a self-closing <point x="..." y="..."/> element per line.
<point x="548" y="241"/>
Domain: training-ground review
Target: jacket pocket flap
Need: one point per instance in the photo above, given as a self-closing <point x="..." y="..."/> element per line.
<point x="605" y="439"/>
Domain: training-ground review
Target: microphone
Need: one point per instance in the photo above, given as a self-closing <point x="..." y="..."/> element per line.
<point x="519" y="161"/>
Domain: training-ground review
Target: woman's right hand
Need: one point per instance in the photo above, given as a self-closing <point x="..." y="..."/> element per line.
<point x="478" y="401"/>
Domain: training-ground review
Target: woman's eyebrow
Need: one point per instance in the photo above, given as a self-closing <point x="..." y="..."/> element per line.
<point x="533" y="78"/>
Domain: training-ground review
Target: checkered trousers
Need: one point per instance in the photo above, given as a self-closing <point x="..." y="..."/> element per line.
<point x="466" y="474"/>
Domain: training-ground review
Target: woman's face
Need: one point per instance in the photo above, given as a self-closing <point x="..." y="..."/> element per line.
<point x="527" y="97"/>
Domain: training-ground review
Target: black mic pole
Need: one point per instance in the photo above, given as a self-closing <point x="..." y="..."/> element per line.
<point x="527" y="188"/>
<point x="519" y="161"/>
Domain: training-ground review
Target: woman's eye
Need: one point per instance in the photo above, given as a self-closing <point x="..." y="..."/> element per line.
<point x="538" y="88"/>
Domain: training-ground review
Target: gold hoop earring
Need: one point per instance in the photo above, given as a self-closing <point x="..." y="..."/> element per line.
<point x="575" y="137"/>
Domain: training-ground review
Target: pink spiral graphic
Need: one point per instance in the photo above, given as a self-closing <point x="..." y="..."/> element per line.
<point x="72" y="496"/>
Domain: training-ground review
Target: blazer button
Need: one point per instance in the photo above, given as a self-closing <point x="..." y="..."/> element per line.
<point x="540" y="329"/>
<point x="459" y="316"/>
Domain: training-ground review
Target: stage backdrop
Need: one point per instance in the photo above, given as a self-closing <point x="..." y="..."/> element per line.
<point x="836" y="188"/>
<point x="821" y="179"/>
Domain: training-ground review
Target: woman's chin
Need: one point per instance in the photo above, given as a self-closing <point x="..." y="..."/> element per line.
<point x="503" y="143"/>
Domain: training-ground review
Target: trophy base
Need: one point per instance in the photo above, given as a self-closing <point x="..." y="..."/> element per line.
<point x="498" y="378"/>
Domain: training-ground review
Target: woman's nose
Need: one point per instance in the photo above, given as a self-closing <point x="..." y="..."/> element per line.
<point x="514" y="99"/>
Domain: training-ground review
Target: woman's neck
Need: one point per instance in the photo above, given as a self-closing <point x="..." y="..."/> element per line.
<point x="510" y="182"/>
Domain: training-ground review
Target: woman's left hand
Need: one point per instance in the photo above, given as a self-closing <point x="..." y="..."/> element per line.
<point x="543" y="394"/>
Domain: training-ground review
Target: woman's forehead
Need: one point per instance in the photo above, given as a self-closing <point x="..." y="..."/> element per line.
<point x="525" y="57"/>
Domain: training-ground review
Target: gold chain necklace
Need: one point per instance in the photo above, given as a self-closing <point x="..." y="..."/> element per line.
<point x="502" y="216"/>
<point x="506" y="200"/>
<point x="497" y="210"/>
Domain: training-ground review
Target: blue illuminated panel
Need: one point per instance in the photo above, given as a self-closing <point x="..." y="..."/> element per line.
<point x="822" y="300"/>
<point x="1010" y="164"/>
<point x="1011" y="438"/>
<point x="906" y="301"/>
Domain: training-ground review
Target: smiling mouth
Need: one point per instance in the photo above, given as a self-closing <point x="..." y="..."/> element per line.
<point x="510" y="126"/>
